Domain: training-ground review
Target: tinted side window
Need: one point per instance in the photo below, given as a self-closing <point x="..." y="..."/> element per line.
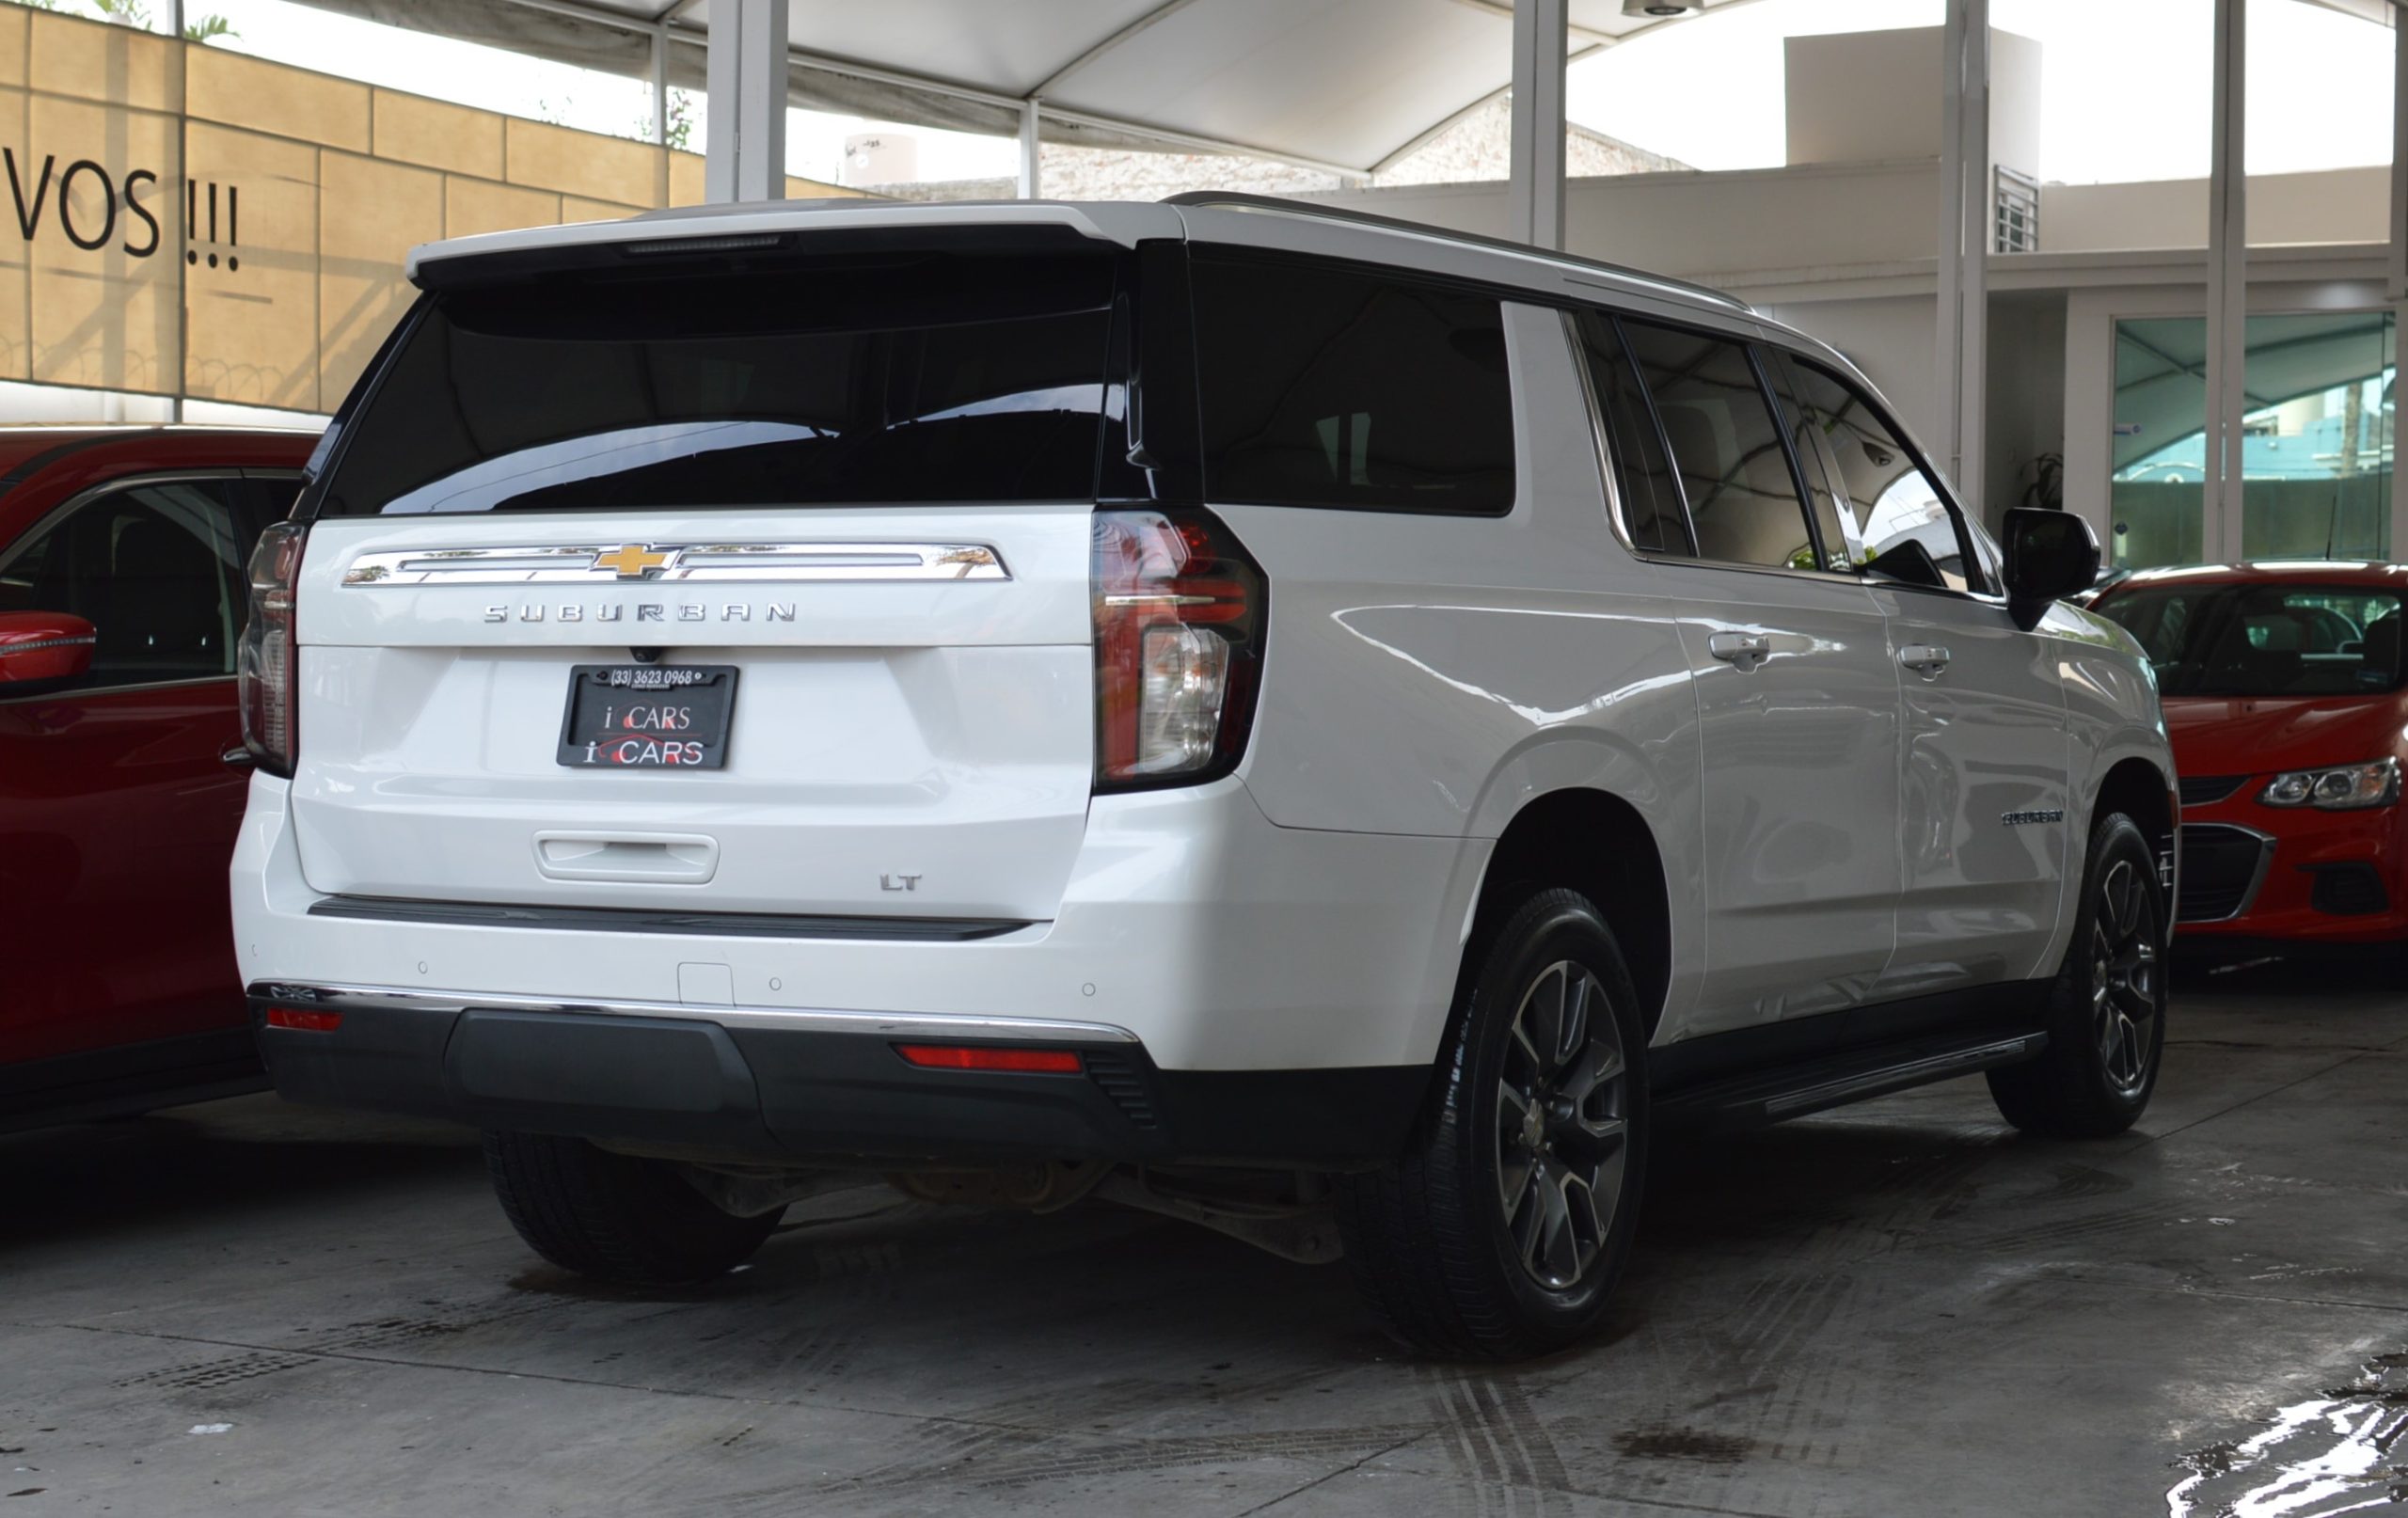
<point x="1329" y="387"/>
<point x="154" y="568"/>
<point x="1733" y="467"/>
<point x="1895" y="503"/>
<point x="1651" y="497"/>
<point x="1836" y="534"/>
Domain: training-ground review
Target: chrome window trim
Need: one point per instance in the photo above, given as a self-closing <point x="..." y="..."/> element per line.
<point x="934" y="1025"/>
<point x="764" y="564"/>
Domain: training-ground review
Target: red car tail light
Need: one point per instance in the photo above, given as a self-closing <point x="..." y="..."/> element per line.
<point x="303" y="1020"/>
<point x="265" y="665"/>
<point x="1178" y="630"/>
<point x="975" y="1057"/>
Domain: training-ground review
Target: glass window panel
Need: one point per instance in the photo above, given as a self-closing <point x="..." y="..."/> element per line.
<point x="1651" y="497"/>
<point x="154" y="568"/>
<point x="1734" y="466"/>
<point x="2317" y="442"/>
<point x="1329" y="387"/>
<point x="1901" y="514"/>
<point x="2318" y="445"/>
<point x="2158" y="489"/>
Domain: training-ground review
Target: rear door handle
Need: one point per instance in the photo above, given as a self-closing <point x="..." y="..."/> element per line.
<point x="1743" y="649"/>
<point x="1927" y="660"/>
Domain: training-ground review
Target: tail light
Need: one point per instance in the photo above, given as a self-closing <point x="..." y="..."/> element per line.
<point x="264" y="663"/>
<point x="1178" y="630"/>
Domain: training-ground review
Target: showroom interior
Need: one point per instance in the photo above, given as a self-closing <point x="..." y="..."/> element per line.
<point x="2105" y="296"/>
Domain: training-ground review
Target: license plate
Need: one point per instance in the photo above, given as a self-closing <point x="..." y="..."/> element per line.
<point x="648" y="716"/>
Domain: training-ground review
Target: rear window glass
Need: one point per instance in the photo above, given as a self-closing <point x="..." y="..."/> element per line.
<point x="1329" y="387"/>
<point x="937" y="378"/>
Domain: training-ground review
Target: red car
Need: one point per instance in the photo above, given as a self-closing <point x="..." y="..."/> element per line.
<point x="122" y="772"/>
<point x="2283" y="690"/>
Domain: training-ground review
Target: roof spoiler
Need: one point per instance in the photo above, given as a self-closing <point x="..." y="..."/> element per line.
<point x="768" y="229"/>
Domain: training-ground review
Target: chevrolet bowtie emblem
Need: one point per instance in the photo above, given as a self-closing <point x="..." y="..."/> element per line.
<point x="634" y="560"/>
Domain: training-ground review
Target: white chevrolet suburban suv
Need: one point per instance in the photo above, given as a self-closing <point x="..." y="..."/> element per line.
<point x="1341" y="732"/>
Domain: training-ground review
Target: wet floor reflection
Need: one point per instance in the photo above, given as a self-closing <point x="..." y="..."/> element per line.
<point x="2334" y="1453"/>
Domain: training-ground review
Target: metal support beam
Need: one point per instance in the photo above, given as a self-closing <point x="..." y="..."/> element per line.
<point x="1542" y="40"/>
<point x="2220" y="535"/>
<point x="2398" y="290"/>
<point x="660" y="86"/>
<point x="747" y="83"/>
<point x="1032" y="147"/>
<point x="1961" y="359"/>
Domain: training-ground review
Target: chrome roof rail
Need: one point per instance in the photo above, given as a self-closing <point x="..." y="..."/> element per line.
<point x="1235" y="200"/>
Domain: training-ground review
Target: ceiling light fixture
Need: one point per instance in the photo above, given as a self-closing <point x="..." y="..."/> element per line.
<point x="1657" y="7"/>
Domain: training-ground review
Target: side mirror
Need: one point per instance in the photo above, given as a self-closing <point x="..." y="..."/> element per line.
<point x="40" y="648"/>
<point x="2050" y="556"/>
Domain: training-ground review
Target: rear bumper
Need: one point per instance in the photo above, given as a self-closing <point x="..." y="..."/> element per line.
<point x="1218" y="940"/>
<point x="771" y="1084"/>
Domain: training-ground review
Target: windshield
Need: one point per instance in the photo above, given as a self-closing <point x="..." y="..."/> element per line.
<point x="2264" y="640"/>
<point x="942" y="377"/>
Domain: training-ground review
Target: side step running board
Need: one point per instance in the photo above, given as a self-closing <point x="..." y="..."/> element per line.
<point x="1753" y="1099"/>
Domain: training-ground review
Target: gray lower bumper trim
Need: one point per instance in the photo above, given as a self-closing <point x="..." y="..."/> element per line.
<point x="934" y="1026"/>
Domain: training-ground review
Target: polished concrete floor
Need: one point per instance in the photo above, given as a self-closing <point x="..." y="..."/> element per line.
<point x="1902" y="1309"/>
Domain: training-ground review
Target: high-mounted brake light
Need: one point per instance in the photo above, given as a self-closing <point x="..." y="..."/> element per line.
<point x="265" y="667"/>
<point x="978" y="1057"/>
<point x="1179" y="628"/>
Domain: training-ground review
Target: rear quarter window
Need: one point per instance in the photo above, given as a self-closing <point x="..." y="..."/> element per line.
<point x="1332" y="386"/>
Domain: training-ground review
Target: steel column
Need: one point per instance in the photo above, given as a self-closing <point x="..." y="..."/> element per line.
<point x="2228" y="285"/>
<point x="2398" y="290"/>
<point x="1541" y="45"/>
<point x="1961" y="354"/>
<point x="746" y="76"/>
<point x="1032" y="179"/>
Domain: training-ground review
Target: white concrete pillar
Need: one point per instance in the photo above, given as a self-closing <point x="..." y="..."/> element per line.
<point x="1541" y="47"/>
<point x="1967" y="208"/>
<point x="2227" y="284"/>
<point x="746" y="78"/>
<point x="1032" y="178"/>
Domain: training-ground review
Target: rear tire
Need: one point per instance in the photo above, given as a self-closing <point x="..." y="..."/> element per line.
<point x="2107" y="1008"/>
<point x="613" y="1216"/>
<point x="1500" y="1232"/>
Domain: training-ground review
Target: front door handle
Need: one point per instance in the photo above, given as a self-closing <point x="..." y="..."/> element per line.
<point x="1745" y="649"/>
<point x="1927" y="660"/>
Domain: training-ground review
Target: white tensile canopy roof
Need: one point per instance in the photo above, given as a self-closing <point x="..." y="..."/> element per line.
<point x="1343" y="86"/>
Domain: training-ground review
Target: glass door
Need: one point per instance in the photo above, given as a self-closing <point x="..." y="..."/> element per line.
<point x="2318" y="439"/>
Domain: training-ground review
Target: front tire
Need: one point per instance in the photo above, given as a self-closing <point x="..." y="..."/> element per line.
<point x="2107" y="1008"/>
<point x="615" y="1217"/>
<point x="1500" y="1232"/>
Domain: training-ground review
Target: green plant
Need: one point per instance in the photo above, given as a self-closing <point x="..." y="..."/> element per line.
<point x="679" y="130"/>
<point x="209" y="29"/>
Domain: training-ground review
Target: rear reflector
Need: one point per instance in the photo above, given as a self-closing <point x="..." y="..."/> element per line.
<point x="303" y="1020"/>
<point x="967" y="1057"/>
